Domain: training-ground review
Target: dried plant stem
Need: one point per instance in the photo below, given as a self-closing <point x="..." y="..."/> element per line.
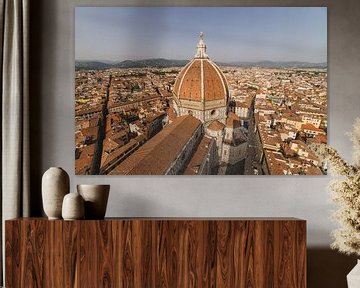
<point x="345" y="192"/>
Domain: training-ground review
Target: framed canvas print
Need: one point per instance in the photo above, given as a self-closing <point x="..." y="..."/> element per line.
<point x="200" y="90"/>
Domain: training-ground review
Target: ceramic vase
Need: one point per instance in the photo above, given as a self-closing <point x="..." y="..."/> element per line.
<point x="96" y="198"/>
<point x="55" y="185"/>
<point x="73" y="207"/>
<point x="353" y="278"/>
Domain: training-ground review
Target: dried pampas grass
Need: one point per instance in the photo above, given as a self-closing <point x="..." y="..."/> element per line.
<point x="345" y="192"/>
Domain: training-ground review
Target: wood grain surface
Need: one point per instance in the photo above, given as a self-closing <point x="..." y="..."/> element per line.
<point x="156" y="253"/>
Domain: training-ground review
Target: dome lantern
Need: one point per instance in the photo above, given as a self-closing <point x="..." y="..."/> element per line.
<point x="201" y="48"/>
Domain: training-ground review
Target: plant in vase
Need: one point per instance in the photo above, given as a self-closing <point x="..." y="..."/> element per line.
<point x="345" y="192"/>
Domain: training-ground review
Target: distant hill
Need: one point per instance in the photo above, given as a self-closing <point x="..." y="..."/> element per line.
<point x="156" y="63"/>
<point x="164" y="63"/>
<point x="91" y="65"/>
<point x="277" y="64"/>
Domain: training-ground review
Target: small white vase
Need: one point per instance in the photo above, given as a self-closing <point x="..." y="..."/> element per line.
<point x="55" y="185"/>
<point x="73" y="207"/>
<point x="353" y="278"/>
<point x="96" y="198"/>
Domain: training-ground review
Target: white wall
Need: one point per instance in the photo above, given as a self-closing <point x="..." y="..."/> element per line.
<point x="303" y="197"/>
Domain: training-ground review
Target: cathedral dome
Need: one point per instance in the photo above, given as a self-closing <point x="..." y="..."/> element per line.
<point x="201" y="80"/>
<point x="201" y="87"/>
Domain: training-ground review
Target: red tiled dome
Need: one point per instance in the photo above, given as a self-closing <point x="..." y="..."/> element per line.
<point x="201" y="80"/>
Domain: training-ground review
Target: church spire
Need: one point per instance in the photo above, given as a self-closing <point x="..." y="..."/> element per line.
<point x="201" y="48"/>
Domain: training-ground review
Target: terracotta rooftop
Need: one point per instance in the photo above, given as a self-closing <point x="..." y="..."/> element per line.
<point x="85" y="160"/>
<point x="171" y="113"/>
<point x="107" y="158"/>
<point x="94" y="121"/>
<point x="300" y="144"/>
<point x="276" y="166"/>
<point x="292" y="117"/>
<point x="216" y="126"/>
<point x="109" y="145"/>
<point x="309" y="126"/>
<point x="156" y="155"/>
<point x="313" y="171"/>
<point x="87" y="151"/>
<point x="82" y="165"/>
<point x="317" y="139"/>
<point x="88" y="110"/>
<point x="198" y="157"/>
<point x="117" y="135"/>
<point x="90" y="132"/>
<point x="232" y="120"/>
<point x="287" y="151"/>
<point x="243" y="104"/>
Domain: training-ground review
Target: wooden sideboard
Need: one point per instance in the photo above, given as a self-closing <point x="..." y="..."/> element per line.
<point x="156" y="252"/>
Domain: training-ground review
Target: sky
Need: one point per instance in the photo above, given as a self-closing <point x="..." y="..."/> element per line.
<point x="230" y="33"/>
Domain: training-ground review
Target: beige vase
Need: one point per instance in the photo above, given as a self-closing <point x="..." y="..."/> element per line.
<point x="73" y="207"/>
<point x="55" y="185"/>
<point x="353" y="278"/>
<point x="96" y="198"/>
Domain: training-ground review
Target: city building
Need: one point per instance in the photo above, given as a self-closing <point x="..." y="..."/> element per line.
<point x="202" y="136"/>
<point x="251" y="120"/>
